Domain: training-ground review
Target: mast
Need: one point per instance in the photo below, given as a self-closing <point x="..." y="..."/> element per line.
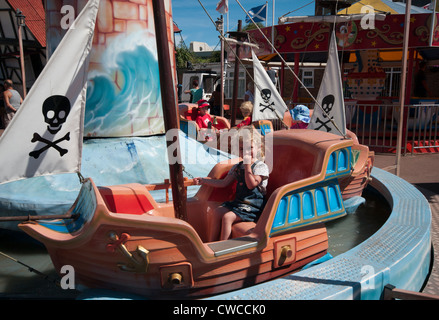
<point x="240" y="36"/>
<point x="21" y="24"/>
<point x="169" y="106"/>
<point x="222" y="68"/>
<point x="402" y="97"/>
<point x="220" y="28"/>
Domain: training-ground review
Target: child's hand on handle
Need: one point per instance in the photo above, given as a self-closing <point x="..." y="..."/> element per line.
<point x="197" y="181"/>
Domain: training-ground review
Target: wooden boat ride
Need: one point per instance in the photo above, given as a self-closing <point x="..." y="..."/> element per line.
<point x="122" y="239"/>
<point x="362" y="164"/>
<point x="188" y="113"/>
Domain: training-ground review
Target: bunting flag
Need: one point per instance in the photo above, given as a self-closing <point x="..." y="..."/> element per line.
<point x="330" y="97"/>
<point x="258" y="14"/>
<point x="268" y="103"/>
<point x="45" y="135"/>
<point x="222" y="6"/>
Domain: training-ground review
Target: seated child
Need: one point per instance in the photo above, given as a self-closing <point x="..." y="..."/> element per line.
<point x="252" y="178"/>
<point x="246" y="110"/>
<point x="203" y="119"/>
<point x="300" y="115"/>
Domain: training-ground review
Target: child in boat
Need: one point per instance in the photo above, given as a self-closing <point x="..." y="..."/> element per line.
<point x="203" y="119"/>
<point x="300" y="115"/>
<point x="251" y="175"/>
<point x="246" y="110"/>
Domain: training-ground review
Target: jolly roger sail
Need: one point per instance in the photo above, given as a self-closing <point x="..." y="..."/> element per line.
<point x="330" y="97"/>
<point x="268" y="103"/>
<point x="45" y="136"/>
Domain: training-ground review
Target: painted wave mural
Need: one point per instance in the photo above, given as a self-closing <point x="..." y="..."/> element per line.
<point x="123" y="95"/>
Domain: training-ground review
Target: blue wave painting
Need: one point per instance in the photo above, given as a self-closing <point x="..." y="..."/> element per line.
<point x="123" y="98"/>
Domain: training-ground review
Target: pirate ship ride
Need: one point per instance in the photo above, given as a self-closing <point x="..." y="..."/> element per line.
<point x="122" y="239"/>
<point x="119" y="237"/>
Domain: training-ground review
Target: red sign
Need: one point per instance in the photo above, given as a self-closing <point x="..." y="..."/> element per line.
<point x="435" y="38"/>
<point x="313" y="36"/>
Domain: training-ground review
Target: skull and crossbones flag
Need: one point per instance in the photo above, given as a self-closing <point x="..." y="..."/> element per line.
<point x="330" y="97"/>
<point x="45" y="136"/>
<point x="268" y="102"/>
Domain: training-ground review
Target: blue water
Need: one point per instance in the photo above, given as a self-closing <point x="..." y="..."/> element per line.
<point x="351" y="230"/>
<point x="17" y="282"/>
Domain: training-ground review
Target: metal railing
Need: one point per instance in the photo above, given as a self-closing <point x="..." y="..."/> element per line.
<point x="376" y="125"/>
<point x="424" y="126"/>
<point x="392" y="293"/>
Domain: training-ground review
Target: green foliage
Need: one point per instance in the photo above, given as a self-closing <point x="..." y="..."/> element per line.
<point x="251" y="26"/>
<point x="215" y="57"/>
<point x="183" y="55"/>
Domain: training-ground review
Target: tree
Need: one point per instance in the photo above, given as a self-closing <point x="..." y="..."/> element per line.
<point x="251" y="26"/>
<point x="183" y="55"/>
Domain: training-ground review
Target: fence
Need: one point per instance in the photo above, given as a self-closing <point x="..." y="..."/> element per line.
<point x="377" y="126"/>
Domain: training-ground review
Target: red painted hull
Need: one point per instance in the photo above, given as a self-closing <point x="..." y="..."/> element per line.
<point x="124" y="240"/>
<point x="170" y="253"/>
<point x="354" y="184"/>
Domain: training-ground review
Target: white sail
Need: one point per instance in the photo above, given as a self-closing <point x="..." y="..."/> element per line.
<point x="45" y="135"/>
<point x="268" y="103"/>
<point x="330" y="97"/>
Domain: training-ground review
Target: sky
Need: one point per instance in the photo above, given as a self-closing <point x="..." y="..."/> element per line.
<point x="196" y="25"/>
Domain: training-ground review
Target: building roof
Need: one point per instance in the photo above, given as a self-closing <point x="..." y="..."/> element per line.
<point x="176" y="28"/>
<point x="35" y="15"/>
<point x="382" y="6"/>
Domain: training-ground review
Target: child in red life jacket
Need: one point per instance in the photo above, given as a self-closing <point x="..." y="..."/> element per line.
<point x="203" y="119"/>
<point x="246" y="110"/>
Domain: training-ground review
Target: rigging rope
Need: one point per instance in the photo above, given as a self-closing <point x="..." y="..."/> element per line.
<point x="297" y="9"/>
<point x="289" y="68"/>
<point x="283" y="60"/>
<point x="80" y="177"/>
<point x="238" y="59"/>
<point x="45" y="276"/>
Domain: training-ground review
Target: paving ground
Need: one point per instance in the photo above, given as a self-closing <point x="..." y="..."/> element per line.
<point x="422" y="171"/>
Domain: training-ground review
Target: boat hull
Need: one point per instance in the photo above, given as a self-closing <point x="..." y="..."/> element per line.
<point x="354" y="184"/>
<point x="171" y="254"/>
<point x="122" y="239"/>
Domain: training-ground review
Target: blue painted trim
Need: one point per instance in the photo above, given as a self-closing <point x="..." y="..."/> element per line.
<point x="339" y="163"/>
<point x="316" y="203"/>
<point x="398" y="253"/>
<point x="265" y="128"/>
<point x="85" y="207"/>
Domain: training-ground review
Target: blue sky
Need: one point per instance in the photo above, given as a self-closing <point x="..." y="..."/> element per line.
<point x="196" y="25"/>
